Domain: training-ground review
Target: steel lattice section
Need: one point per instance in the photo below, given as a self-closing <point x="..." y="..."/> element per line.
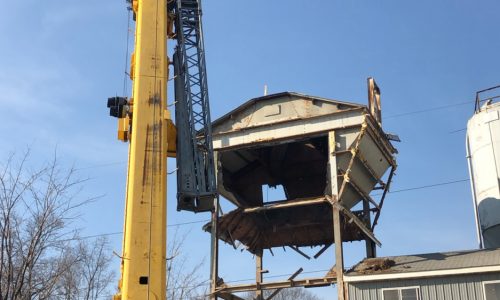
<point x="196" y="174"/>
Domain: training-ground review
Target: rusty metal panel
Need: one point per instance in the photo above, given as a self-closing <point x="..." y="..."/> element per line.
<point x="277" y="108"/>
<point x="282" y="140"/>
<point x="299" y="225"/>
<point x="287" y="129"/>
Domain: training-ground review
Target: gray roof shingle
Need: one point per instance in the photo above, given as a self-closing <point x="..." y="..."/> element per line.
<point x="427" y="262"/>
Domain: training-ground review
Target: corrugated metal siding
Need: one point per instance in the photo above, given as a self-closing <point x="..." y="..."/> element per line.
<point x="468" y="287"/>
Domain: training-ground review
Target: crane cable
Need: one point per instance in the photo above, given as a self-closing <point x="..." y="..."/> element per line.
<point x="427" y="110"/>
<point x="127" y="53"/>
<point x="208" y="220"/>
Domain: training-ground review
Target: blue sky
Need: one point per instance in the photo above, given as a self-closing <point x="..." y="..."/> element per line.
<point x="60" y="60"/>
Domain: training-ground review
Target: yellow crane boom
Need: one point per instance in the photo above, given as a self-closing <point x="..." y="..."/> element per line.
<point x="144" y="121"/>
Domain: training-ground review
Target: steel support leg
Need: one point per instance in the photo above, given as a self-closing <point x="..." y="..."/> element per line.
<point x="259" y="274"/>
<point x="370" y="245"/>
<point x="337" y="229"/>
<point x="214" y="253"/>
<point x="339" y="253"/>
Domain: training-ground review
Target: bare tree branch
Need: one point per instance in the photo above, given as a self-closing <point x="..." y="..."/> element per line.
<point x="37" y="260"/>
<point x="183" y="278"/>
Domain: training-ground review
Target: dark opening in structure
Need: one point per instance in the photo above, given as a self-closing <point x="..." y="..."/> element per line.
<point x="299" y="166"/>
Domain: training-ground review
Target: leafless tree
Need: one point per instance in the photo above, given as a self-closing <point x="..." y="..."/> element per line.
<point x="88" y="277"/>
<point x="184" y="280"/>
<point x="39" y="250"/>
<point x="286" y="294"/>
<point x="95" y="261"/>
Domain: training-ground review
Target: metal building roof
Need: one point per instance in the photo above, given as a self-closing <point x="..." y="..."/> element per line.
<point x="270" y="97"/>
<point x="426" y="265"/>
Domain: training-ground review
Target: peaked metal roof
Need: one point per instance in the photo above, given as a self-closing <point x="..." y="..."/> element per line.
<point x="252" y="101"/>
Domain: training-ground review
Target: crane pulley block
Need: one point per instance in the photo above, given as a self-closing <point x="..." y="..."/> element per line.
<point x="118" y="107"/>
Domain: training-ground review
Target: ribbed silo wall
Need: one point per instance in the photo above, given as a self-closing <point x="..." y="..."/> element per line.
<point x="483" y="152"/>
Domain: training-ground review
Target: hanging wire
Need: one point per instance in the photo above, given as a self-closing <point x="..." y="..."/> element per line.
<point x="127" y="51"/>
<point x="428" y="110"/>
<point x="208" y="220"/>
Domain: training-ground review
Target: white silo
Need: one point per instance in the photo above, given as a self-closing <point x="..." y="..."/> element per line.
<point x="483" y="155"/>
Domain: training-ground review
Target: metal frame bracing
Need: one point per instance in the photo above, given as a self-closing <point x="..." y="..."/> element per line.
<point x="195" y="161"/>
<point x="361" y="218"/>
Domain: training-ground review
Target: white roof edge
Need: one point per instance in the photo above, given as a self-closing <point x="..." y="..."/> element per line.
<point x="281" y="94"/>
<point x="421" y="274"/>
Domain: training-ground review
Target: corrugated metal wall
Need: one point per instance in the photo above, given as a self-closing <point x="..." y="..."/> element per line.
<point x="483" y="147"/>
<point x="468" y="287"/>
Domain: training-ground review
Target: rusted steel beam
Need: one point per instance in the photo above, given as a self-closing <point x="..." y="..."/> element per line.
<point x="277" y="291"/>
<point x="374" y="104"/>
<point x="289" y="130"/>
<point x="291" y="203"/>
<point x="334" y="198"/>
<point x="295" y="274"/>
<point x="369" y="245"/>
<point x="296" y="249"/>
<point x="363" y="195"/>
<point x="373" y="209"/>
<point x="259" y="272"/>
<point x="321" y="251"/>
<point x="307" y="282"/>
<point x="341" y="151"/>
<point x="354" y="152"/>
<point x="361" y="225"/>
<point x="339" y="251"/>
<point x="229" y="296"/>
<point x="386" y="190"/>
<point x="214" y="251"/>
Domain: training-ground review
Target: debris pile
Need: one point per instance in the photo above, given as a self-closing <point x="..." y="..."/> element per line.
<point x="371" y="265"/>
